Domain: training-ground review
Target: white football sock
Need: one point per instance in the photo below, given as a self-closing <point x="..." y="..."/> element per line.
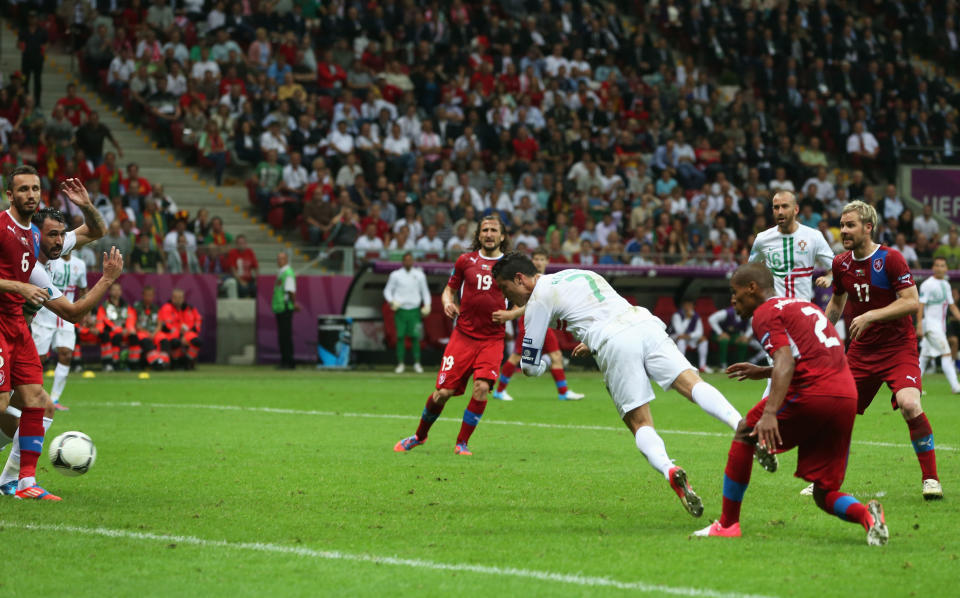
<point x="11" y="470"/>
<point x="652" y="447"/>
<point x="923" y="366"/>
<point x="702" y="349"/>
<point x="710" y="400"/>
<point x="950" y="371"/>
<point x="59" y="381"/>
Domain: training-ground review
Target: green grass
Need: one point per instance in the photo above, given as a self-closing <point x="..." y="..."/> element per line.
<point x="560" y="500"/>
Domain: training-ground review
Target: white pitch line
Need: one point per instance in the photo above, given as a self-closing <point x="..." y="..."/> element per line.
<point x="335" y="555"/>
<point x="280" y="411"/>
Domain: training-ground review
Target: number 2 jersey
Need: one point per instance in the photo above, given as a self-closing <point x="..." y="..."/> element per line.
<point x="821" y="367"/>
<point x="873" y="283"/>
<point x="581" y="302"/>
<point x="479" y="296"/>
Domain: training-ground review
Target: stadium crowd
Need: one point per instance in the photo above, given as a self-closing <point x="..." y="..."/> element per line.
<point x="607" y="132"/>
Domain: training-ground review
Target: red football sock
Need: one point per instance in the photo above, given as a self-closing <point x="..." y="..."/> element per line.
<point x="845" y="507"/>
<point x="430" y="414"/>
<point x="31" y="440"/>
<point x="921" y="436"/>
<point x="506" y="372"/>
<point x="560" y="377"/>
<point x="471" y="417"/>
<point x="736" y="477"/>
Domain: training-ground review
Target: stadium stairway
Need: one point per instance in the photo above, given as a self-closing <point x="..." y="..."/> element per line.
<point x="190" y="187"/>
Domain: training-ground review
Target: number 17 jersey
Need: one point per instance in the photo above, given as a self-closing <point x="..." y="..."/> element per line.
<point x="873" y="283"/>
<point x="821" y="366"/>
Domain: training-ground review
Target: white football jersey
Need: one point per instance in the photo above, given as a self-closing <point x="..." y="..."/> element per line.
<point x="67" y="276"/>
<point x="936" y="297"/>
<point x="580" y="302"/>
<point x="792" y="258"/>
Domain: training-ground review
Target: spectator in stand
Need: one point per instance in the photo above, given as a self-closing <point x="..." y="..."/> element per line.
<point x="890" y="206"/>
<point x="318" y="213"/>
<point x="216" y="235"/>
<point x="430" y="244"/>
<point x="950" y="250"/>
<point x="346" y="228"/>
<point x="90" y="136"/>
<point x="403" y="241"/>
<point x="121" y="70"/>
<point x="212" y="147"/>
<point x="824" y="189"/>
<point x="908" y="252"/>
<point x="172" y="239"/>
<point x="926" y="224"/>
<point x="32" y="41"/>
<point x="924" y="251"/>
<point x="183" y="259"/>
<point x="73" y="105"/>
<point x="269" y="175"/>
<point x="369" y="245"/>
<point x="200" y="226"/>
<point x="862" y="146"/>
<point x="243" y="267"/>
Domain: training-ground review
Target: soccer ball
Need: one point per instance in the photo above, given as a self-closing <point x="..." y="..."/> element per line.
<point x="72" y="453"/>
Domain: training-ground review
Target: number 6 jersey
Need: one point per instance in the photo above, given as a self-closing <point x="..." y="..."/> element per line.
<point x="821" y="367"/>
<point x="872" y="283"/>
<point x="18" y="257"/>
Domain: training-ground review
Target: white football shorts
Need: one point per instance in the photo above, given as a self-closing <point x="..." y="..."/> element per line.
<point x="45" y="337"/>
<point x="620" y="358"/>
<point x="934" y="344"/>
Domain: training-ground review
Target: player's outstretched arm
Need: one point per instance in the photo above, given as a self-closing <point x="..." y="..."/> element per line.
<point x="748" y="371"/>
<point x="93" y="226"/>
<point x="74" y="312"/>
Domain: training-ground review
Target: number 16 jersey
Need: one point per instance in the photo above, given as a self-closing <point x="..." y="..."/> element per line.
<point x="872" y="283"/>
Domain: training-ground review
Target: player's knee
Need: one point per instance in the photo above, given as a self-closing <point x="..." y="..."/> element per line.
<point x="480" y="389"/>
<point x="32" y="395"/>
<point x="910" y="408"/>
<point x="743" y="432"/>
<point x="441" y="395"/>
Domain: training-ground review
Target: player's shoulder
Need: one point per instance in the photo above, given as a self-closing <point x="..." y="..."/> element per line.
<point x="843" y="260"/>
<point x="468" y="258"/>
<point x="767" y="235"/>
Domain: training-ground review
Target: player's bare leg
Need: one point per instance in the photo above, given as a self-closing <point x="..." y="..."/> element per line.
<point x="472" y="415"/>
<point x="506" y="373"/>
<point x="848" y="508"/>
<point x="921" y="436"/>
<point x="432" y="410"/>
<point x="64" y="357"/>
<point x="640" y="423"/>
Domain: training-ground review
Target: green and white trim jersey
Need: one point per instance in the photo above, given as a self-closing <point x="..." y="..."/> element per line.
<point x="67" y="276"/>
<point x="792" y="258"/>
<point x="936" y="297"/>
<point x="580" y="302"/>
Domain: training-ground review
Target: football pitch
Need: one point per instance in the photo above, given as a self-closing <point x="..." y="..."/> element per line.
<point x="250" y="482"/>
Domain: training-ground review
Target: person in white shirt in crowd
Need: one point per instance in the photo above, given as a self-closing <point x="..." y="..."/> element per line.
<point x="498" y="198"/>
<point x="480" y="204"/>
<point x="825" y="189"/>
<point x="525" y="210"/>
<point x="926" y="224"/>
<point x="890" y="206"/>
<point x="630" y="345"/>
<point x="295" y="177"/>
<point x="170" y="240"/>
<point x="461" y="241"/>
<point x="780" y="182"/>
<point x="402" y="241"/>
<point x="409" y="123"/>
<point x="397" y="147"/>
<point x="411" y="220"/>
<point x="430" y="243"/>
<point x="526" y="236"/>
<point x="686" y="329"/>
<point x="345" y="110"/>
<point x="604" y="228"/>
<point x="274" y="139"/>
<point x="467" y="146"/>
<point x="368" y="243"/>
<point x="204" y="65"/>
<point x="909" y="253"/>
<point x="525" y="188"/>
<point x="409" y="298"/>
<point x="862" y="143"/>
<point x="349" y="171"/>
<point x="340" y="142"/>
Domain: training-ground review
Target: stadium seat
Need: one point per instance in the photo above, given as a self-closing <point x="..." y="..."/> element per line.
<point x="664" y="309"/>
<point x="704" y="306"/>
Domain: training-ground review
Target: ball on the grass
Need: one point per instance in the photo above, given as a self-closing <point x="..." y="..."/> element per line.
<point x="72" y="453"/>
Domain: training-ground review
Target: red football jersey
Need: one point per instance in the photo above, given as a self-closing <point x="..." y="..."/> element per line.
<point x="479" y="296"/>
<point x="821" y="367"/>
<point x="872" y="283"/>
<point x="17" y="258"/>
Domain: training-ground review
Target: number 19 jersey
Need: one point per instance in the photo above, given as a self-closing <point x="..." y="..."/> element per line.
<point x="821" y="366"/>
<point x="479" y="296"/>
